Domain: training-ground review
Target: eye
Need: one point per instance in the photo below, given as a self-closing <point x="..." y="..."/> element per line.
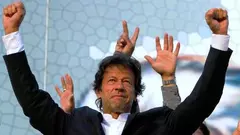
<point x="111" y="80"/>
<point x="127" y="81"/>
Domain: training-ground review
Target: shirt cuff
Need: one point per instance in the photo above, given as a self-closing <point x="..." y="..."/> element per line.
<point x="220" y="42"/>
<point x="13" y="43"/>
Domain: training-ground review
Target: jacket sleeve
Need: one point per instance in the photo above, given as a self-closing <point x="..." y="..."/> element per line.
<point x="206" y="94"/>
<point x="44" y="113"/>
<point x="171" y="97"/>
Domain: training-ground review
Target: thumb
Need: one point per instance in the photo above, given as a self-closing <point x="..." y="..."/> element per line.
<point x="127" y="42"/>
<point x="59" y="92"/>
<point x="149" y="59"/>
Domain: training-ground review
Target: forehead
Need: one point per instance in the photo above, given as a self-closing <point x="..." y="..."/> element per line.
<point x="119" y="70"/>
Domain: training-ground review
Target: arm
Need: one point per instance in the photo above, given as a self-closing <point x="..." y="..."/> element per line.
<point x="204" y="97"/>
<point x="165" y="65"/>
<point x="170" y="94"/>
<point x="171" y="97"/>
<point x="207" y="92"/>
<point x="44" y="114"/>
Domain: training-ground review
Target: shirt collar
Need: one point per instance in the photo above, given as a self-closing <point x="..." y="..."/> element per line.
<point x="108" y="118"/>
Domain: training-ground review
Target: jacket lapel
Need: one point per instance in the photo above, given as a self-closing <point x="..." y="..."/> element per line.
<point x="96" y="119"/>
<point x="128" y="122"/>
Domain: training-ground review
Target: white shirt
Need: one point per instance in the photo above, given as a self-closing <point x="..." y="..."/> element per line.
<point x="13" y="44"/>
<point x="113" y="126"/>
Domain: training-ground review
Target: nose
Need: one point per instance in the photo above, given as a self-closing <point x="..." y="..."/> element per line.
<point x="120" y="87"/>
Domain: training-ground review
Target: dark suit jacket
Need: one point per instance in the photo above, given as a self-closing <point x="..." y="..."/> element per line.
<point x="49" y="119"/>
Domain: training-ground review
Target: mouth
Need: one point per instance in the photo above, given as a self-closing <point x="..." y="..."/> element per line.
<point x="118" y="96"/>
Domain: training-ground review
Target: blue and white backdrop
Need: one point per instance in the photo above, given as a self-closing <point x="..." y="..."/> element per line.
<point x="72" y="36"/>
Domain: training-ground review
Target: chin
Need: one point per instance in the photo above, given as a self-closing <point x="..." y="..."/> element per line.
<point x="118" y="109"/>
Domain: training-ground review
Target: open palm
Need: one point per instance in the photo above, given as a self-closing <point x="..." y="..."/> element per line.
<point x="165" y="62"/>
<point x="66" y="96"/>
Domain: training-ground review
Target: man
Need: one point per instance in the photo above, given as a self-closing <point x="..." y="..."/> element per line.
<point x="171" y="97"/>
<point x="170" y="93"/>
<point x="117" y="85"/>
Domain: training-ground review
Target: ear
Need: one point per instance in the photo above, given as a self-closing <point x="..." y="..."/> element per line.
<point x="98" y="93"/>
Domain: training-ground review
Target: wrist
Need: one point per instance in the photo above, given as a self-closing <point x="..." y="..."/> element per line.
<point x="168" y="77"/>
<point x="224" y="34"/>
<point x="168" y="81"/>
<point x="10" y="30"/>
<point x="117" y="52"/>
<point x="221" y="32"/>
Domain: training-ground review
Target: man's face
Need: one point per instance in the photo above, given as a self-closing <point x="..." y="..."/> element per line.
<point x="117" y="91"/>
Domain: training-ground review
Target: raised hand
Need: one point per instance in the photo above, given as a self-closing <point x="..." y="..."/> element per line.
<point x="13" y="15"/>
<point x="66" y="95"/>
<point x="165" y="62"/>
<point x="124" y="43"/>
<point x="217" y="20"/>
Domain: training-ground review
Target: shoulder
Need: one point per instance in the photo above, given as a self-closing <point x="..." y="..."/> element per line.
<point x="84" y="111"/>
<point x="158" y="112"/>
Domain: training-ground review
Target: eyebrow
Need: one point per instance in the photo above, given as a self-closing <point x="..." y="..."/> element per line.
<point x="126" y="78"/>
<point x="122" y="78"/>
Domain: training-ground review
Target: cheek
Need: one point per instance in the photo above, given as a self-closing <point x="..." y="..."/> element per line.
<point x="131" y="93"/>
<point x="106" y="90"/>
